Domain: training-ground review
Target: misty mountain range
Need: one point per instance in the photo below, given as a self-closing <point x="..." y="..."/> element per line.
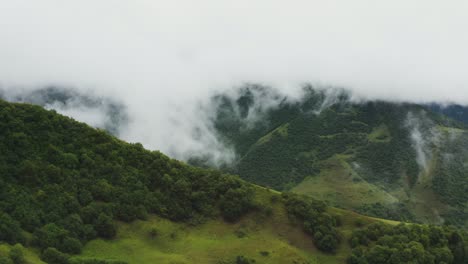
<point x="72" y="194"/>
<point x="114" y="115"/>
<point x="401" y="161"/>
<point x="385" y="151"/>
<point x="233" y="132"/>
<point x="455" y="111"/>
<point x="101" y="112"/>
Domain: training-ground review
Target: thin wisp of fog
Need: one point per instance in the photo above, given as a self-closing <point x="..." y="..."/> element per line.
<point x="162" y="60"/>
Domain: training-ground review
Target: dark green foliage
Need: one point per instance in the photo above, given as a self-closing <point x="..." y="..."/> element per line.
<point x="385" y="160"/>
<point x="457" y="112"/>
<point x="287" y="157"/>
<point x="5" y="260"/>
<point x="396" y="211"/>
<point x="280" y="141"/>
<point x="316" y="221"/>
<point x="53" y="256"/>
<point x="235" y="203"/>
<point x="450" y="180"/>
<point x="456" y="217"/>
<point x="10" y="230"/>
<point x="16" y="254"/>
<point x="52" y="235"/>
<point x="405" y="243"/>
<point x="153" y="233"/>
<point x="115" y="111"/>
<point x="67" y="183"/>
<point x="96" y="261"/>
<point x="77" y="228"/>
<point x="240" y="233"/>
<point x="244" y="260"/>
<point x="105" y="226"/>
<point x="289" y="140"/>
<point x="71" y="245"/>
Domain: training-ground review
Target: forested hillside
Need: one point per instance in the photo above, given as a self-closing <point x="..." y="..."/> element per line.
<point x="106" y="112"/>
<point x="393" y="160"/>
<point x="73" y="194"/>
<point x="63" y="183"/>
<point x="455" y="111"/>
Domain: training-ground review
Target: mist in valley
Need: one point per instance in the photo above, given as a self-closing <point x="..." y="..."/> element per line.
<point x="148" y="71"/>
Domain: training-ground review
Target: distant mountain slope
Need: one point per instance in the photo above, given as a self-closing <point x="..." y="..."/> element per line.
<point x="64" y="184"/>
<point x="393" y="160"/>
<point x="455" y="111"/>
<point x="71" y="194"/>
<point x="102" y="112"/>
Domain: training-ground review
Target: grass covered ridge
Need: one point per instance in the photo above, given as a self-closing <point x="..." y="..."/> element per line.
<point x="76" y="195"/>
<point x="267" y="236"/>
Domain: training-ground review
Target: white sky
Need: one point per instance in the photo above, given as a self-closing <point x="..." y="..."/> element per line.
<point x="154" y="54"/>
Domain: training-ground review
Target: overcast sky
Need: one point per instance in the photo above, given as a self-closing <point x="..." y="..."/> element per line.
<point x="154" y="53"/>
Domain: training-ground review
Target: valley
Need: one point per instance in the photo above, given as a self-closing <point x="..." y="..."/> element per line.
<point x="72" y="194"/>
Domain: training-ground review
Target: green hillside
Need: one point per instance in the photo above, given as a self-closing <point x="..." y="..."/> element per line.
<point x="73" y="194"/>
<point x="391" y="160"/>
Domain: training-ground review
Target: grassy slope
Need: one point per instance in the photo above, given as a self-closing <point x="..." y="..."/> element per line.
<point x="318" y="155"/>
<point x="30" y="255"/>
<point x="211" y="242"/>
<point x="342" y="186"/>
<point x="219" y="242"/>
<point x="339" y="184"/>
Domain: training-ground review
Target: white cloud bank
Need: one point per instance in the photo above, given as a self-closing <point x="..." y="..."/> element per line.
<point x="159" y="57"/>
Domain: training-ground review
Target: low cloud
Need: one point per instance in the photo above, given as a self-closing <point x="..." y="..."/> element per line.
<point x="103" y="112"/>
<point x="163" y="60"/>
<point x="424" y="136"/>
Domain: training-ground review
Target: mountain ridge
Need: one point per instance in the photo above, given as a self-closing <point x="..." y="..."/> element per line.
<point x="73" y="194"/>
<point x="385" y="149"/>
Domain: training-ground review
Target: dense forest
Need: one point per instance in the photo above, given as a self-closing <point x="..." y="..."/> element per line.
<point x="455" y="111"/>
<point x="396" y="154"/>
<point x="64" y="184"/>
<point x="407" y="243"/>
<point x="393" y="148"/>
<point x="114" y="113"/>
